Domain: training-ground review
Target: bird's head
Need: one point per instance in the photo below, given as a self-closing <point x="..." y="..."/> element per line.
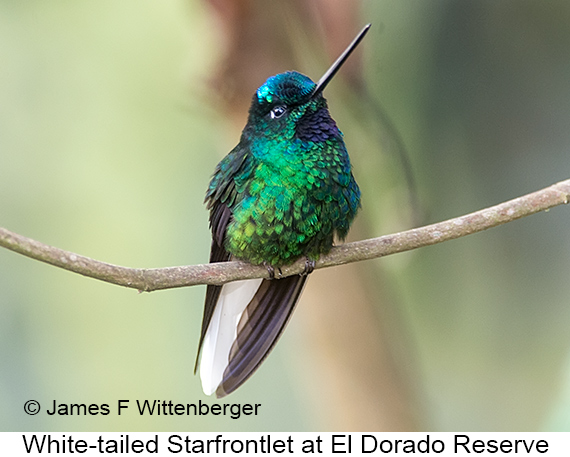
<point x="291" y="104"/>
<point x="281" y="103"/>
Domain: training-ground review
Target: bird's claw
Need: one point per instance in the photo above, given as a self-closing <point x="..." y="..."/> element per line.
<point x="309" y="267"/>
<point x="271" y="271"/>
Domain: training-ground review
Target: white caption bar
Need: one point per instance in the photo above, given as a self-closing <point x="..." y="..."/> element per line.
<point x="299" y="443"/>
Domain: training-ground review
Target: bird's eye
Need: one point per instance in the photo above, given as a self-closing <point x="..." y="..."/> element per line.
<point x="277" y="112"/>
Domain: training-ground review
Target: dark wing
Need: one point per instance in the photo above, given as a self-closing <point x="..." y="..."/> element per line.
<point x="259" y="328"/>
<point x="221" y="214"/>
<point x="220" y="197"/>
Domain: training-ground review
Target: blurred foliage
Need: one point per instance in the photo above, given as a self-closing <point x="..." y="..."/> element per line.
<point x="479" y="91"/>
<point x="110" y="129"/>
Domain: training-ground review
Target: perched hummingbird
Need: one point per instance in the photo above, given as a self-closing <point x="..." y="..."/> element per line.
<point x="284" y="192"/>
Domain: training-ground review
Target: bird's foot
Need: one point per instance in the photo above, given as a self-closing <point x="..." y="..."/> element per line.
<point x="309" y="267"/>
<point x="271" y="271"/>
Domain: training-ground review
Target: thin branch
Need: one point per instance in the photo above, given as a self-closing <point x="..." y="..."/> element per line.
<point x="219" y="273"/>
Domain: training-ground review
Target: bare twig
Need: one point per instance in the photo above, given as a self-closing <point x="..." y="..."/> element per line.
<point x="219" y="273"/>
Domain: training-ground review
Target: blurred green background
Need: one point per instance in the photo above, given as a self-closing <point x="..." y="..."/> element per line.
<point x="112" y="118"/>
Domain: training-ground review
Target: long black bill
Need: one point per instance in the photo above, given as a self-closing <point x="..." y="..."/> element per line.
<point x="336" y="66"/>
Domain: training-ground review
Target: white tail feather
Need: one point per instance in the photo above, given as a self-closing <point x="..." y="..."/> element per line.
<point x="222" y="331"/>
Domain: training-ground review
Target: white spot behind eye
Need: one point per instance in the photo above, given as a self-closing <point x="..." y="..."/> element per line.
<point x="277" y="112"/>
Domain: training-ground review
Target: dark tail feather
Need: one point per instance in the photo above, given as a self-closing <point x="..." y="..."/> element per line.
<point x="260" y="326"/>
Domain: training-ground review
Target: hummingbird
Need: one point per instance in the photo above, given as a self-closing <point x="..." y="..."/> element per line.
<point x="283" y="193"/>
